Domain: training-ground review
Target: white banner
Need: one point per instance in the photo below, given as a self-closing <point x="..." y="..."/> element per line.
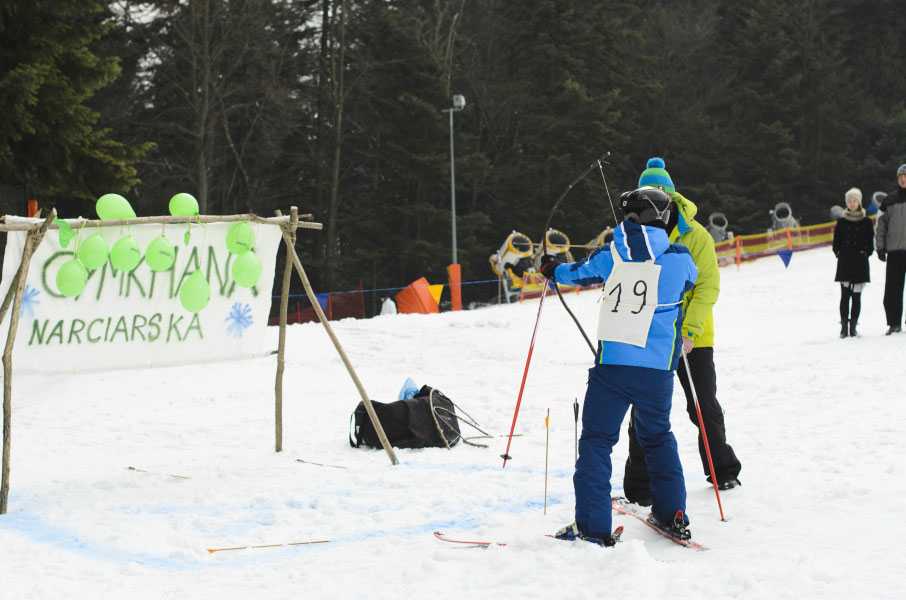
<point x="135" y="319"/>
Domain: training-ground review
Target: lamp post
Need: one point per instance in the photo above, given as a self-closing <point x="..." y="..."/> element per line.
<point x="459" y="102"/>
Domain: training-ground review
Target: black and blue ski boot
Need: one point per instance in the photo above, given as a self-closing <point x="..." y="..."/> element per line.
<point x="571" y="533"/>
<point x="678" y="528"/>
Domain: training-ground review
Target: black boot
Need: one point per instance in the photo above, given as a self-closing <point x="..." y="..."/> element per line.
<point x="678" y="528"/>
<point x="852" y="329"/>
<point x="844" y="330"/>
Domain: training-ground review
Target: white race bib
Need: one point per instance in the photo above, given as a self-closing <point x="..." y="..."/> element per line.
<point x="629" y="301"/>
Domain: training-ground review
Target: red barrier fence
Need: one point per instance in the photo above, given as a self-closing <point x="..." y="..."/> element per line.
<point x="335" y="307"/>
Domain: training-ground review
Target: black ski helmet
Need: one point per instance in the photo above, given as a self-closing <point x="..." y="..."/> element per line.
<point x="646" y="206"/>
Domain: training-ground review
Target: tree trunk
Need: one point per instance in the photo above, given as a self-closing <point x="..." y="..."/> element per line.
<point x="204" y="107"/>
<point x="337" y="63"/>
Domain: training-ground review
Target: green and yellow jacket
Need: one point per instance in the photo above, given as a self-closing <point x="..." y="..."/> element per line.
<point x="698" y="323"/>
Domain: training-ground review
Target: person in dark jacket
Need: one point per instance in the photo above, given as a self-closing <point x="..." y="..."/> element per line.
<point x="891" y="243"/>
<point x="854" y="241"/>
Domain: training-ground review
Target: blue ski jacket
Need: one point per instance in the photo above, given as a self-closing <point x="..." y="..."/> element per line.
<point x="636" y="243"/>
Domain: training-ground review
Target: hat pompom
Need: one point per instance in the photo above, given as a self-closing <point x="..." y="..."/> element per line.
<point x="656" y="176"/>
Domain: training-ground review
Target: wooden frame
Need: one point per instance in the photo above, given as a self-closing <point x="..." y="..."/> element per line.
<point x="288" y="226"/>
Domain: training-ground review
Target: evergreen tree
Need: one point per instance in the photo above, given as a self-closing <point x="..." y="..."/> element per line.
<point x="546" y="80"/>
<point x="338" y="106"/>
<point x="394" y="214"/>
<point x="875" y="50"/>
<point x="218" y="99"/>
<point x="49" y="137"/>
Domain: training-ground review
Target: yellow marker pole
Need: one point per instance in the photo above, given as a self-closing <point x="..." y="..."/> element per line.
<point x="547" y="436"/>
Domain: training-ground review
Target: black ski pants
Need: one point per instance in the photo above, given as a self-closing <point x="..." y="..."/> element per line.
<point x="893" y="287"/>
<point x="726" y="466"/>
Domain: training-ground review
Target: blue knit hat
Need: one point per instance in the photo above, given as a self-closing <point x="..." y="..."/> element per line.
<point x="656" y="176"/>
<point x="901" y="169"/>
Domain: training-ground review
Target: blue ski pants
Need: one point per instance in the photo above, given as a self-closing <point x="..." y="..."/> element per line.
<point x="611" y="389"/>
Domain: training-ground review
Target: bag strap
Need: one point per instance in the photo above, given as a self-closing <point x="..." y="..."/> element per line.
<point x="352" y="442"/>
<point x="436" y="423"/>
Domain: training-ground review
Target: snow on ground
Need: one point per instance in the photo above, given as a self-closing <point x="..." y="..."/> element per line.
<point x="818" y="423"/>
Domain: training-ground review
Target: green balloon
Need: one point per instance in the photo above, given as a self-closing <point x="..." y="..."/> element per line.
<point x="126" y="254"/>
<point x="113" y="206"/>
<point x="183" y="205"/>
<point x="195" y="293"/>
<point x="160" y="254"/>
<point x="240" y="238"/>
<point x="66" y="232"/>
<point x="72" y="278"/>
<point x="93" y="251"/>
<point x="247" y="269"/>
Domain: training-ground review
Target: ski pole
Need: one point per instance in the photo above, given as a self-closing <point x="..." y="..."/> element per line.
<point x="547" y="437"/>
<point x="506" y="455"/>
<point x="701" y="425"/>
<point x="576" y="423"/>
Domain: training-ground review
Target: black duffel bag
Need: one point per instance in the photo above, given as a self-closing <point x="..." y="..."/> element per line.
<point x="427" y="420"/>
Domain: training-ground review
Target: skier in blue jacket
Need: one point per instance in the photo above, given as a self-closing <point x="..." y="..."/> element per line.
<point x="639" y="346"/>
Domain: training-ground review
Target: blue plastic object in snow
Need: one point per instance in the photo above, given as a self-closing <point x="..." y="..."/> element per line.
<point x="409" y="389"/>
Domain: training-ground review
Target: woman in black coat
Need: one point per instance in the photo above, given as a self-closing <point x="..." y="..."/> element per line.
<point x="854" y="241"/>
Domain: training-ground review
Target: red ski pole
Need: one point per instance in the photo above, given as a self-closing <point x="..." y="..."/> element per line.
<point x="506" y="455"/>
<point x="701" y="426"/>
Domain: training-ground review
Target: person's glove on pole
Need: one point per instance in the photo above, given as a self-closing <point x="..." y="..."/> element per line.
<point x="549" y="264"/>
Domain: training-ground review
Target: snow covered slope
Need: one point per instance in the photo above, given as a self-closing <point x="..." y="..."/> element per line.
<point x="819" y="424"/>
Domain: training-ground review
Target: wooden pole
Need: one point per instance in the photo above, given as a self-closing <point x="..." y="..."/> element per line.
<point x="281" y="347"/>
<point x="32" y="240"/>
<point x="76" y="223"/>
<point x="333" y="338"/>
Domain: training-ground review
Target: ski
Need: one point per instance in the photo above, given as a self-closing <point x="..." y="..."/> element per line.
<point x="621" y="505"/>
<point x="475" y="544"/>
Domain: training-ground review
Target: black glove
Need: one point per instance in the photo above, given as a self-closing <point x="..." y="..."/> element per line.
<point x="882" y="256"/>
<point x="548" y="265"/>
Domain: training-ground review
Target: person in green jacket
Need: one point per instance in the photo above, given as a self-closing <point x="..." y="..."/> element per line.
<point x="698" y="344"/>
